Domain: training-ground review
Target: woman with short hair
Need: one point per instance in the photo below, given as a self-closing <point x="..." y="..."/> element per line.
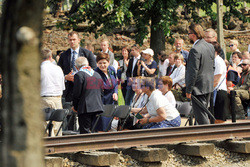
<point x="178" y="74"/>
<point x="159" y="113"/>
<point x="164" y="85"/>
<point x="110" y="86"/>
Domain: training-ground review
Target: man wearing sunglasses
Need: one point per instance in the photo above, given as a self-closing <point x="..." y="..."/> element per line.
<point x="242" y="89"/>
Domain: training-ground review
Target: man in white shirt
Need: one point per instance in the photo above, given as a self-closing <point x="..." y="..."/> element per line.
<point x="52" y="85"/>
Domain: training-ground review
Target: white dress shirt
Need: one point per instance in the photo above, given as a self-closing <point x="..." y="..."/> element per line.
<point x="163" y="68"/>
<point x="220" y="68"/>
<point x="178" y="75"/>
<point x="52" y="79"/>
<point x="77" y="53"/>
<point x="134" y="63"/>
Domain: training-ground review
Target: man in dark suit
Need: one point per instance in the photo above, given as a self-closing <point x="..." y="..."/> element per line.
<point x="67" y="62"/>
<point x="87" y="91"/>
<point x="132" y="72"/>
<point x="171" y="65"/>
<point x="199" y="72"/>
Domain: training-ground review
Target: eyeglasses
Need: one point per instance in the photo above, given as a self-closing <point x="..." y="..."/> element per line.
<point x="243" y="64"/>
<point x="231" y="45"/>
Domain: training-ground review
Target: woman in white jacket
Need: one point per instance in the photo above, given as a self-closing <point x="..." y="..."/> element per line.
<point x="178" y="75"/>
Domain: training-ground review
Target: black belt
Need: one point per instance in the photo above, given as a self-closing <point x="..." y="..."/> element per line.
<point x="51" y="96"/>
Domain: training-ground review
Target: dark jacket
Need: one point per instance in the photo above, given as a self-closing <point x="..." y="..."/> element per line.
<point x="66" y="65"/>
<point x="108" y="89"/>
<point x="87" y="93"/>
<point x="199" y="77"/>
<point x="130" y="66"/>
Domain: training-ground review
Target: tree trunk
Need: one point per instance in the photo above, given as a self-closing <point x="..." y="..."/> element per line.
<point x="157" y="37"/>
<point x="22" y="130"/>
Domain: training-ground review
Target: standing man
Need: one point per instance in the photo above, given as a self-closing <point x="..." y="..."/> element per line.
<point x="171" y="64"/>
<point x="105" y="49"/>
<point x="132" y="72"/>
<point x="67" y="62"/>
<point x="87" y="101"/>
<point x="211" y="36"/>
<point x="52" y="86"/>
<point x="179" y="43"/>
<point x="199" y="72"/>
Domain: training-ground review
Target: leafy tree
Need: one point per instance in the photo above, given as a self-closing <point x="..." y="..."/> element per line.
<point x="148" y="16"/>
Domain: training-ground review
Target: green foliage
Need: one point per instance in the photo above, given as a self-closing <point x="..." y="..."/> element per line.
<point x="105" y="15"/>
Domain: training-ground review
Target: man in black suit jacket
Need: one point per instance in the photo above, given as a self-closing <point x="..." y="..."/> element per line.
<point x="87" y="101"/>
<point x="171" y="65"/>
<point x="132" y="72"/>
<point x="199" y="72"/>
<point x="67" y="61"/>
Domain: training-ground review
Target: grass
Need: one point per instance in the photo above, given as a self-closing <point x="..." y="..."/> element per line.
<point x="120" y="98"/>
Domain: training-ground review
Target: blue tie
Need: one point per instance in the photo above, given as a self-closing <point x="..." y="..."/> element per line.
<point x="73" y="61"/>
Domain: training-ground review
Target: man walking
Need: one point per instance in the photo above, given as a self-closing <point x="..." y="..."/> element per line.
<point x="52" y="86"/>
<point x="199" y="72"/>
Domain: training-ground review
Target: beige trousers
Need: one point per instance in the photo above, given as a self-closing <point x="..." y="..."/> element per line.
<point x="55" y="103"/>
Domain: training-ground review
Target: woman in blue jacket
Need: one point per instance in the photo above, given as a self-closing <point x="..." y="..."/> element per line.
<point x="110" y="86"/>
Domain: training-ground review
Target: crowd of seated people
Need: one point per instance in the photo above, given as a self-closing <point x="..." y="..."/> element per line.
<point x="147" y="86"/>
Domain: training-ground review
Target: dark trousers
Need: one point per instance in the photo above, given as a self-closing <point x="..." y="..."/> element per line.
<point x="200" y="115"/>
<point x="124" y="89"/>
<point x="129" y="95"/>
<point x="221" y="105"/>
<point x="86" y="122"/>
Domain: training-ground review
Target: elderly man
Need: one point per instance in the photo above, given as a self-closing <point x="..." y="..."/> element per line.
<point x="211" y="36"/>
<point x="179" y="43"/>
<point x="87" y="101"/>
<point x="199" y="72"/>
<point x="52" y="85"/>
<point x="242" y="89"/>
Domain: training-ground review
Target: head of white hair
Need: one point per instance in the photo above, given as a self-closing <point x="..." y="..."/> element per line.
<point x="81" y="61"/>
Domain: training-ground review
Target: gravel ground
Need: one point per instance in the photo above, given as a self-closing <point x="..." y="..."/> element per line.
<point x="220" y="158"/>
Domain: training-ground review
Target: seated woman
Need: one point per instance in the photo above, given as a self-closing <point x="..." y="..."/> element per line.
<point x="178" y="75"/>
<point x="147" y="67"/>
<point x="139" y="101"/>
<point x="159" y="113"/>
<point x="110" y="86"/>
<point x="165" y="84"/>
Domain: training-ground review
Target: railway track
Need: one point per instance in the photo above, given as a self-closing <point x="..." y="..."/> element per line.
<point x="147" y="137"/>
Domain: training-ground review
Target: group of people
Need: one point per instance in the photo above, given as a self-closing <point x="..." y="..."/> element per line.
<point x="90" y="81"/>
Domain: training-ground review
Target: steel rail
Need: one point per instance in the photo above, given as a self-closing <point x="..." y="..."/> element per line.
<point x="147" y="140"/>
<point x="141" y="133"/>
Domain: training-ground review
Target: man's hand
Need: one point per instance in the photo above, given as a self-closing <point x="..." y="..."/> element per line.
<point x="115" y="97"/>
<point x="74" y="109"/>
<point x="70" y="77"/>
<point x="188" y="95"/>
